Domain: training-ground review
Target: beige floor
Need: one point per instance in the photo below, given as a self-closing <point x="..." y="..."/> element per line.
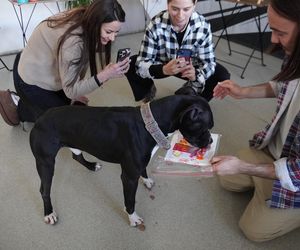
<point x="187" y="213"/>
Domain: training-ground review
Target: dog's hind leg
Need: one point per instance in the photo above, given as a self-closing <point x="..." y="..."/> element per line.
<point x="77" y="155"/>
<point x="45" y="168"/>
<point x="129" y="191"/>
<point x="148" y="182"/>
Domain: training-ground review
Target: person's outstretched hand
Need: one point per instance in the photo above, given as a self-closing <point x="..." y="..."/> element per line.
<point x="228" y="88"/>
<point x="226" y="165"/>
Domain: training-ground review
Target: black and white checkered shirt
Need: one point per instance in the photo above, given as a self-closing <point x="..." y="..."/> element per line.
<point x="159" y="46"/>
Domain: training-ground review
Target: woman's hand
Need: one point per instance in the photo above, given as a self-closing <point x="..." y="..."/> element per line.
<point x="83" y="99"/>
<point x="124" y="65"/>
<point x="114" y="70"/>
<point x="227" y="165"/>
<point x="228" y="87"/>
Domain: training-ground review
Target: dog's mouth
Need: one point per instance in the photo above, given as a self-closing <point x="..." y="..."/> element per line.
<point x="201" y="140"/>
<point x="201" y="144"/>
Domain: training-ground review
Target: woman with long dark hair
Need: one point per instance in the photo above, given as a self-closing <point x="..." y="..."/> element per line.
<point x="52" y="69"/>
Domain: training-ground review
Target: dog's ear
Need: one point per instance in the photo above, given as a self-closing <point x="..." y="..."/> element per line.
<point x="196" y="114"/>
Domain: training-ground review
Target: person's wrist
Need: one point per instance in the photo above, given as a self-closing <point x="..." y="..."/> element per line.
<point x="102" y="77"/>
<point x="99" y="83"/>
<point x="245" y="92"/>
<point x="245" y="167"/>
<point x="193" y="78"/>
<point x="165" y="71"/>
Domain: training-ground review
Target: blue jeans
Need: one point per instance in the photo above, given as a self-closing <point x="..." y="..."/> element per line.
<point x="34" y="101"/>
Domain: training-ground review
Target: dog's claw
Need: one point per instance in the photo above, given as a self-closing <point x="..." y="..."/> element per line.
<point x="134" y="219"/>
<point x="148" y="182"/>
<point x="137" y="223"/>
<point x="51" y="218"/>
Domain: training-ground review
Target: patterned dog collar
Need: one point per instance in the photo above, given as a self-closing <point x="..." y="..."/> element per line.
<point x="152" y="127"/>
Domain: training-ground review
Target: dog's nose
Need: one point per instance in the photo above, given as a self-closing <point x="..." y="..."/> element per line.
<point x="211" y="140"/>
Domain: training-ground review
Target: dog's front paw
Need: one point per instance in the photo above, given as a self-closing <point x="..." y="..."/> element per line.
<point x="51" y="218"/>
<point x="135" y="220"/>
<point x="148" y="182"/>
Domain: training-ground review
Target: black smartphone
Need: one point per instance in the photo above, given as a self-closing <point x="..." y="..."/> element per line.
<point x="122" y="54"/>
<point x="184" y="53"/>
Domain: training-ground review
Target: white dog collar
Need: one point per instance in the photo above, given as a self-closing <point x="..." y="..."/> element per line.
<point x="152" y="127"/>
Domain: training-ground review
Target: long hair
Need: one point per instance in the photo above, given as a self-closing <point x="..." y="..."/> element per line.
<point x="90" y="20"/>
<point x="289" y="10"/>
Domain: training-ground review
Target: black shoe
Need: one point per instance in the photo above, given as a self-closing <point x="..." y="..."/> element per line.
<point x="186" y="90"/>
<point x="79" y="103"/>
<point x="150" y="95"/>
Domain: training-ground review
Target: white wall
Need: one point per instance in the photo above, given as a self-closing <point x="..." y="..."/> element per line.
<point x="11" y="36"/>
<point x="152" y="7"/>
<point x="10" y="31"/>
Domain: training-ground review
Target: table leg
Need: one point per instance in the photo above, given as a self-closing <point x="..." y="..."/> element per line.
<point x="5" y="66"/>
<point x="225" y="28"/>
<point x="21" y="21"/>
<point x="20" y="18"/>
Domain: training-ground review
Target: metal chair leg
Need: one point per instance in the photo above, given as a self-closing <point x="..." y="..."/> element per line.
<point x="5" y="66"/>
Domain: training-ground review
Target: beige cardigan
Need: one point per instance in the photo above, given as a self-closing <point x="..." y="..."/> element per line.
<point x="40" y="66"/>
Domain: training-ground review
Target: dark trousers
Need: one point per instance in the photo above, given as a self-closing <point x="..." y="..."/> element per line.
<point x="141" y="86"/>
<point x="34" y="101"/>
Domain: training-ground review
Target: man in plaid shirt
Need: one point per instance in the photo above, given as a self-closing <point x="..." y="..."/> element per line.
<point x="178" y="27"/>
<point x="272" y="165"/>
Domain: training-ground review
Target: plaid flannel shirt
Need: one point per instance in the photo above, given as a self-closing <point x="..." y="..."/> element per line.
<point x="283" y="197"/>
<point x="159" y="46"/>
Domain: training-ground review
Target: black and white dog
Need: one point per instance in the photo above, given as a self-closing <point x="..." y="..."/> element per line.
<point x="117" y="135"/>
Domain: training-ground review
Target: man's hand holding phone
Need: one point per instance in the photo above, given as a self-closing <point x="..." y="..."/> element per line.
<point x="182" y="64"/>
<point x="187" y="69"/>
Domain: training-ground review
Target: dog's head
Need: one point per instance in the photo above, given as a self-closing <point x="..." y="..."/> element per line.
<point x="194" y="123"/>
